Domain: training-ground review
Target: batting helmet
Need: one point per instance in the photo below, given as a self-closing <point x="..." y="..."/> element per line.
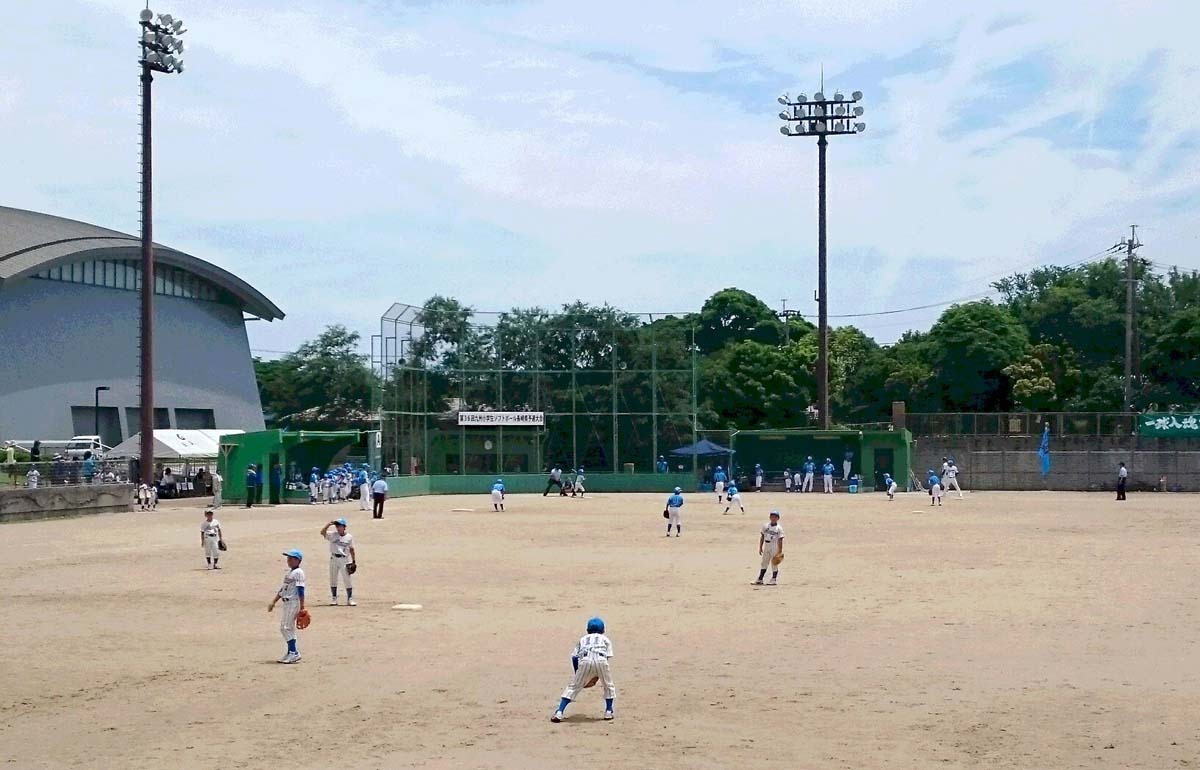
<point x="595" y="626"/>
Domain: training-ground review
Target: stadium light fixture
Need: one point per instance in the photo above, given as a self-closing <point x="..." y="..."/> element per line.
<point x="823" y="118"/>
<point x="160" y="49"/>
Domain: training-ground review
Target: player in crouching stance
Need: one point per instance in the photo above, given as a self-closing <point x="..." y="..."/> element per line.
<point x="935" y="488"/>
<point x="498" y="495"/>
<point x="770" y="548"/>
<point x="734" y="498"/>
<point x="889" y="485"/>
<point x="671" y="512"/>
<point x="342" y="560"/>
<point x="211" y="539"/>
<point x="590" y="660"/>
<point x="291" y="593"/>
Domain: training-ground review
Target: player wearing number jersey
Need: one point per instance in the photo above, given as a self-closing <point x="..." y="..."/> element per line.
<point x="674" y="505"/>
<point x="341" y="556"/>
<point x="590" y="659"/>
<point x="498" y="495"/>
<point x="889" y="484"/>
<point x="770" y="544"/>
<point x="809" y="469"/>
<point x="719" y="479"/>
<point x="210" y="539"/>
<point x="291" y="593"/>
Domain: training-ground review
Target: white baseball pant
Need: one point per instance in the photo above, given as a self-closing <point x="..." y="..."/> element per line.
<point x="845" y="470"/>
<point x="808" y="480"/>
<point x="313" y="493"/>
<point x="497" y="497"/>
<point x="216" y="503"/>
<point x="787" y="483"/>
<point x="364" y="497"/>
<point x="758" y="483"/>
<point x="211" y="551"/>
<point x="719" y="488"/>
<point x="589" y="667"/>
<point x="672" y="516"/>
<point x="828" y="479"/>
<point x="338" y="566"/>
<point x="891" y="490"/>
<point x="769" y="551"/>
<point x="935" y="494"/>
<point x="952" y="483"/>
<point x="288" y="610"/>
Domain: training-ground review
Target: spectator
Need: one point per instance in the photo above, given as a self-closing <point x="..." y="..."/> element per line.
<point x="35" y="452"/>
<point x="251" y="480"/>
<point x="58" y="471"/>
<point x="89" y="467"/>
<point x="218" y="481"/>
<point x="169" y="485"/>
<point x="276" y="483"/>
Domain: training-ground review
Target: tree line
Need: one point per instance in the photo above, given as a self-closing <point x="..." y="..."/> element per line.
<point x="1052" y="339"/>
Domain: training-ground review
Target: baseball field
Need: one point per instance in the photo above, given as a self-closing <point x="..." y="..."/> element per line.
<point x="1003" y="631"/>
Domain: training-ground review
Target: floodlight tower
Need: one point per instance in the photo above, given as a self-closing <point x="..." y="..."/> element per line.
<point x="821" y="118"/>
<point x="161" y="47"/>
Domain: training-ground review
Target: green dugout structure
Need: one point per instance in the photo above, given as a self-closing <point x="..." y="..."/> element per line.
<point x="874" y="452"/>
<point x="298" y="452"/>
<point x="527" y="483"/>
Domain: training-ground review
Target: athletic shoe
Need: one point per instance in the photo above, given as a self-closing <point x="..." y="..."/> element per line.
<point x="286" y="658"/>
<point x="772" y="582"/>
<point x="608" y="715"/>
<point x="757" y="583"/>
<point x="215" y="566"/>
<point x="558" y="717"/>
<point x="333" y="602"/>
<point x="292" y="657"/>
<point x="351" y="603"/>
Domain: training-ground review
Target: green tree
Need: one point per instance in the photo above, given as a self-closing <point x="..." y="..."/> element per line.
<point x="970" y="345"/>
<point x="1173" y="360"/>
<point x="733" y="315"/>
<point x="1041" y="377"/>
<point x="749" y="384"/>
<point x="325" y="383"/>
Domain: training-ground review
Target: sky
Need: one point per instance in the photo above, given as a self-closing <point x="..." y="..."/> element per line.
<point x="342" y="156"/>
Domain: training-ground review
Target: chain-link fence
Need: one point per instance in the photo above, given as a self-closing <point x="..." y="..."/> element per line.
<point x="1021" y="423"/>
<point x="174" y="478"/>
<point x="483" y="393"/>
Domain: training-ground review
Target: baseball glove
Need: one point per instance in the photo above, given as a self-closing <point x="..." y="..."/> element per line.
<point x="221" y="546"/>
<point x="665" y="514"/>
<point x="592" y="683"/>
<point x="303" y="619"/>
<point x="352" y="567"/>
<point x="777" y="559"/>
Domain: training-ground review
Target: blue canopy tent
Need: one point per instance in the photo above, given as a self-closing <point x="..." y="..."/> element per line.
<point x="702" y="448"/>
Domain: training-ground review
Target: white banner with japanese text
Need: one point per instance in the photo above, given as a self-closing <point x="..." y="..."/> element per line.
<point x="528" y="419"/>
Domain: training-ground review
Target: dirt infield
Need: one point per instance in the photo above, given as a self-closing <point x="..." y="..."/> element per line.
<point x="1006" y="630"/>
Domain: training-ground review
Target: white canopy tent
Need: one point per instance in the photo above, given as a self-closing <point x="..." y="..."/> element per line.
<point x="174" y="445"/>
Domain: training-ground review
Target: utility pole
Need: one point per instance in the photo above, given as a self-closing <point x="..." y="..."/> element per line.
<point x="787" y="316"/>
<point x="1131" y="245"/>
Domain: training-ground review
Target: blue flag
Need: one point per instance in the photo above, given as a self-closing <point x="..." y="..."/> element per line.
<point x="1044" y="451"/>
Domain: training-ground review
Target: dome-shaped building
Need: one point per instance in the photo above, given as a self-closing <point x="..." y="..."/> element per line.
<point x="69" y="315"/>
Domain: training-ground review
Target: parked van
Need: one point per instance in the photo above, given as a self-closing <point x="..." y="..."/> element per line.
<point x="78" y="445"/>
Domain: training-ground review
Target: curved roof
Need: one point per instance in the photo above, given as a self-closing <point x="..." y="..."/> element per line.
<point x="31" y="242"/>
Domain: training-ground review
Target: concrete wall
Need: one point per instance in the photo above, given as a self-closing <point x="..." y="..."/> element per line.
<point x="60" y="502"/>
<point x="61" y="340"/>
<point x="1076" y="462"/>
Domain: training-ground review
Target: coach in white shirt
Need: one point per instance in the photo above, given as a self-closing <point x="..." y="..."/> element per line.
<point x="378" y="495"/>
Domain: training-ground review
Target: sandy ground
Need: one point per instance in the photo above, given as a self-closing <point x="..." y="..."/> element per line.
<point x="1006" y="630"/>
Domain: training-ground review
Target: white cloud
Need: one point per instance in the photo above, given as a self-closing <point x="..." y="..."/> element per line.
<point x="523" y="153"/>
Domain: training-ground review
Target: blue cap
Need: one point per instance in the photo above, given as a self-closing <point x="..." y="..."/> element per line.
<point x="340" y="522"/>
<point x="774" y="513"/>
<point x="595" y="625"/>
<point x="295" y="553"/>
<point x="678" y="490"/>
<point x="499" y="481"/>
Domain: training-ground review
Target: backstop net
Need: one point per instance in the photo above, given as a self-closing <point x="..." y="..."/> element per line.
<point x="464" y="392"/>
